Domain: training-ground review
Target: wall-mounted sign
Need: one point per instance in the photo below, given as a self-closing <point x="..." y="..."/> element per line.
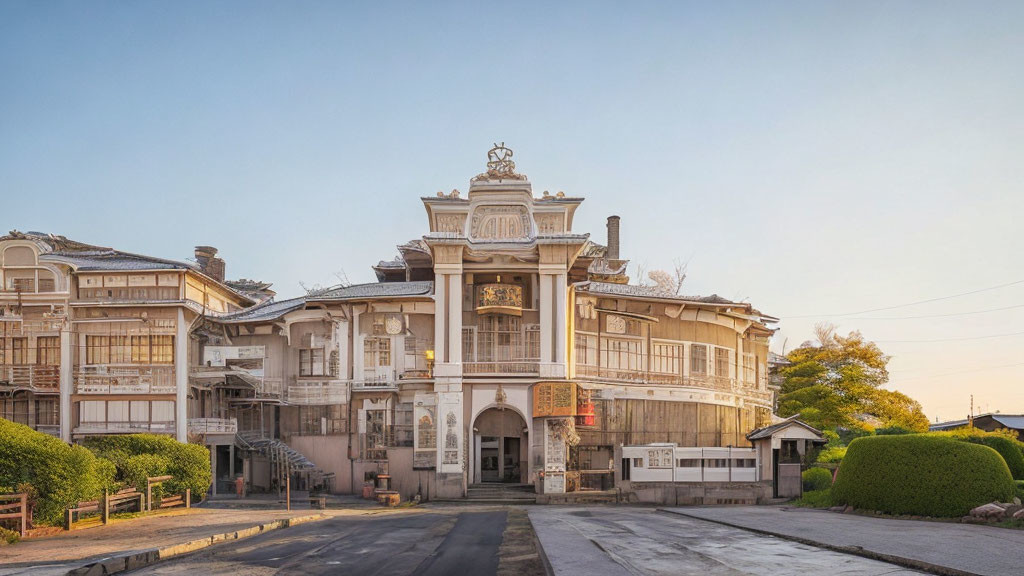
<point x="499" y="299"/>
<point x="554" y="399"/>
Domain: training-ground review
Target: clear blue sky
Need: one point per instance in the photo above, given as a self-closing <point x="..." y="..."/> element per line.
<point x="812" y="157"/>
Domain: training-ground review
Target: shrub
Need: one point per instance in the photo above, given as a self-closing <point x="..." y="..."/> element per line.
<point x="1007" y="449"/>
<point x="832" y="454"/>
<point x="817" y="479"/>
<point x="816" y="499"/>
<point x="9" y="536"/>
<point x="189" y="464"/>
<point x="61" y="474"/>
<point x="921" y="474"/>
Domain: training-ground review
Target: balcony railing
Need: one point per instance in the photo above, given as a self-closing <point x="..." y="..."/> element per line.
<point x="374" y="446"/>
<point x="520" y="367"/>
<point x="124" y="427"/>
<point x="40" y="378"/>
<point x="718" y="383"/>
<point x="317" y="392"/>
<point x="110" y="379"/>
<point x="212" y="426"/>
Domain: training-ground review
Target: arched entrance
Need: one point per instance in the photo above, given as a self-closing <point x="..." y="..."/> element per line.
<point x="500" y="446"/>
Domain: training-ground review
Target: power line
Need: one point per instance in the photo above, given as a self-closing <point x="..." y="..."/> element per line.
<point x="909" y="303"/>
<point x="948" y="339"/>
<point x="963" y="371"/>
<point x="939" y="315"/>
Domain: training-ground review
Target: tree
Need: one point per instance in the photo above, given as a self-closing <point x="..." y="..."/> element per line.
<point x="837" y="383"/>
<point x="670" y="282"/>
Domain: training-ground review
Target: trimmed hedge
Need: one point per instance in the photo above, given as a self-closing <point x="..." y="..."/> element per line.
<point x="1007" y="449"/>
<point x="816" y="479"/>
<point x="139" y="455"/>
<point x="921" y="475"/>
<point x="61" y="474"/>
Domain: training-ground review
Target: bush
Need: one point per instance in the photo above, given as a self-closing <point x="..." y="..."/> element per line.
<point x="921" y="474"/>
<point x="816" y="479"/>
<point x="189" y="464"/>
<point x="62" y="475"/>
<point x="816" y="499"/>
<point x="832" y="454"/>
<point x="1007" y="449"/>
<point x="9" y="536"/>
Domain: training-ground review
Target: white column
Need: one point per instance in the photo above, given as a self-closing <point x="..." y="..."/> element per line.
<point x="454" y="312"/>
<point x="357" y="348"/>
<point x="341" y="337"/>
<point x="66" y="381"/>
<point x="181" y="379"/>
<point x="546" y="324"/>
<point x="440" y="312"/>
<point x="560" y="323"/>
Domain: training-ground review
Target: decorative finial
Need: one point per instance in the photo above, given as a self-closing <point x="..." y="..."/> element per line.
<point x="500" y="165"/>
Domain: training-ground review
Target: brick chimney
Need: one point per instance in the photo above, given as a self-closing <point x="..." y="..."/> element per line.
<point x="209" y="264"/>
<point x="613" y="238"/>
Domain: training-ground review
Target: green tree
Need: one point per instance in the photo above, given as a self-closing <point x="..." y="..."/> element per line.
<point x="838" y="384"/>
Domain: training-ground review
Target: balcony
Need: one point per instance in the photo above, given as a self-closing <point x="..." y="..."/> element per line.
<point x="37" y="378"/>
<point x="212" y="426"/>
<point x="111" y="427"/>
<point x="508" y="368"/>
<point x="111" y="379"/>
<point x="317" y="392"/>
<point x="641" y="377"/>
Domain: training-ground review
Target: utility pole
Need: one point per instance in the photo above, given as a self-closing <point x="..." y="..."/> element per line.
<point x="970" y="419"/>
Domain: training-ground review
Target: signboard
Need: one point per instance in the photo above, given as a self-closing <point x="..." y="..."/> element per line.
<point x="554" y="449"/>
<point x="219" y="355"/>
<point x="554" y="399"/>
<point x="499" y="298"/>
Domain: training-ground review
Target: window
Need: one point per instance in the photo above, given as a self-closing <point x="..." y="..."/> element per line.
<point x="140" y="349"/>
<point x="97" y="350"/>
<point x="722" y="361"/>
<point x="621" y="354"/>
<point x="716" y="463"/>
<point x="688" y="463"/>
<point x="162" y="349"/>
<point x="625" y="468"/>
<point x="666" y="358"/>
<point x="586" y="350"/>
<point x="19" y="350"/>
<point x="638" y="462"/>
<point x="46" y="285"/>
<point x="376" y="352"/>
<point x="500" y="339"/>
<point x="698" y="359"/>
<point x="744" y="463"/>
<point x="23" y="284"/>
<point x="468" y="347"/>
<point x="748" y="368"/>
<point x="120" y="350"/>
<point x="48" y="350"/>
<point x="311" y="362"/>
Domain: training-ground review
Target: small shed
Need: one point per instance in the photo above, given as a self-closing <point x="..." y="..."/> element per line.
<point x="780" y="449"/>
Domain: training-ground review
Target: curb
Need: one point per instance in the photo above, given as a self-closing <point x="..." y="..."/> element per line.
<point x="136" y="560"/>
<point x="905" y="562"/>
<point x="548" y="568"/>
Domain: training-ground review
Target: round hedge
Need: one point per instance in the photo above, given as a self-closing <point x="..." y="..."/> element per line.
<point x="816" y="479"/>
<point x="61" y="474"/>
<point x="921" y="475"/>
<point x="1008" y="449"/>
<point x="139" y="455"/>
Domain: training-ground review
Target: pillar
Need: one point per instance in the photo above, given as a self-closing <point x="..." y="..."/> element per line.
<point x="66" y="381"/>
<point x="181" y="379"/>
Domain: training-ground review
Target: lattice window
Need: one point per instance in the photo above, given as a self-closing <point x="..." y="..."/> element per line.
<point x="698" y="359"/>
<point x="621" y="354"/>
<point x="311" y="362"/>
<point x="723" y="358"/>
<point x="666" y="358"/>
<point x="48" y="350"/>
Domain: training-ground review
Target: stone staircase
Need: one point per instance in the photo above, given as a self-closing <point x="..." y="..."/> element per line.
<point x="499" y="493"/>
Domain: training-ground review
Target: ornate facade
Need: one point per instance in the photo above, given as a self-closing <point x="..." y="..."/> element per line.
<point x="499" y="346"/>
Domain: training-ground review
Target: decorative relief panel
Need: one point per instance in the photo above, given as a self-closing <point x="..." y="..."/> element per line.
<point x="451" y="223"/>
<point x="549" y="223"/>
<point x="501" y="223"/>
<point x="615" y="324"/>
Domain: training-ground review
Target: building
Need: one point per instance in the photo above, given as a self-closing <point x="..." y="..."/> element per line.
<point x="499" y="346"/>
<point x="988" y="422"/>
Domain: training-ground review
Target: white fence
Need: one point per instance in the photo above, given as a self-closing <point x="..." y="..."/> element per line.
<point x="671" y="463"/>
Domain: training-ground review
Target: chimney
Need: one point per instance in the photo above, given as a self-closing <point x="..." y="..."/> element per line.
<point x="613" y="237"/>
<point x="209" y="264"/>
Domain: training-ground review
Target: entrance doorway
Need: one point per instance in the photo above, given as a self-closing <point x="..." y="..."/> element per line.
<point x="499" y="438"/>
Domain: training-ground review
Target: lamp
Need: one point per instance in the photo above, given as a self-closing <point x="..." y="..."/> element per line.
<point x="429" y="355"/>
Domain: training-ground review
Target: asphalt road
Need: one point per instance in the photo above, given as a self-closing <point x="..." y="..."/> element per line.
<point x="628" y="541"/>
<point x="425" y="544"/>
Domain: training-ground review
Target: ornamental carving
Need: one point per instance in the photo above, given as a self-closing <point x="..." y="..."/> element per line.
<point x="501" y="223"/>
<point x="393" y="324"/>
<point x="549" y="223"/>
<point x="615" y="324"/>
<point x="503" y="298"/>
<point x="451" y="223"/>
<point x="499" y="165"/>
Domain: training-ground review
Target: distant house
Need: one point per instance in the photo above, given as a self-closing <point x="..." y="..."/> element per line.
<point x="987" y="422"/>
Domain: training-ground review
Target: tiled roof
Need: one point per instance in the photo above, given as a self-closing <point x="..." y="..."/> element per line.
<point x="767" y="431"/>
<point x="648" y="292"/>
<point x="95" y="260"/>
<point x="1011" y="421"/>
<point x="265" y="311"/>
<point x="377" y="290"/>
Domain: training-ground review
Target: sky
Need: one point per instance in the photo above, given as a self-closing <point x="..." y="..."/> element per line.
<point x="817" y="159"/>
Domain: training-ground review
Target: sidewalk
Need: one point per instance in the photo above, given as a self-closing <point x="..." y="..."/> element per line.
<point x="58" y="554"/>
<point x="939" y="547"/>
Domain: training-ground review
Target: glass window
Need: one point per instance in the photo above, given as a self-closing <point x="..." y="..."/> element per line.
<point x="97" y="349"/>
<point x="638" y="462"/>
<point x="162" y="349"/>
<point x="311" y="362"/>
<point x="48" y="350"/>
<point x="698" y="359"/>
<point x="19" y="350"/>
<point x="376" y="352"/>
<point x="722" y="361"/>
<point x="120" y="350"/>
<point x="666" y="358"/>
